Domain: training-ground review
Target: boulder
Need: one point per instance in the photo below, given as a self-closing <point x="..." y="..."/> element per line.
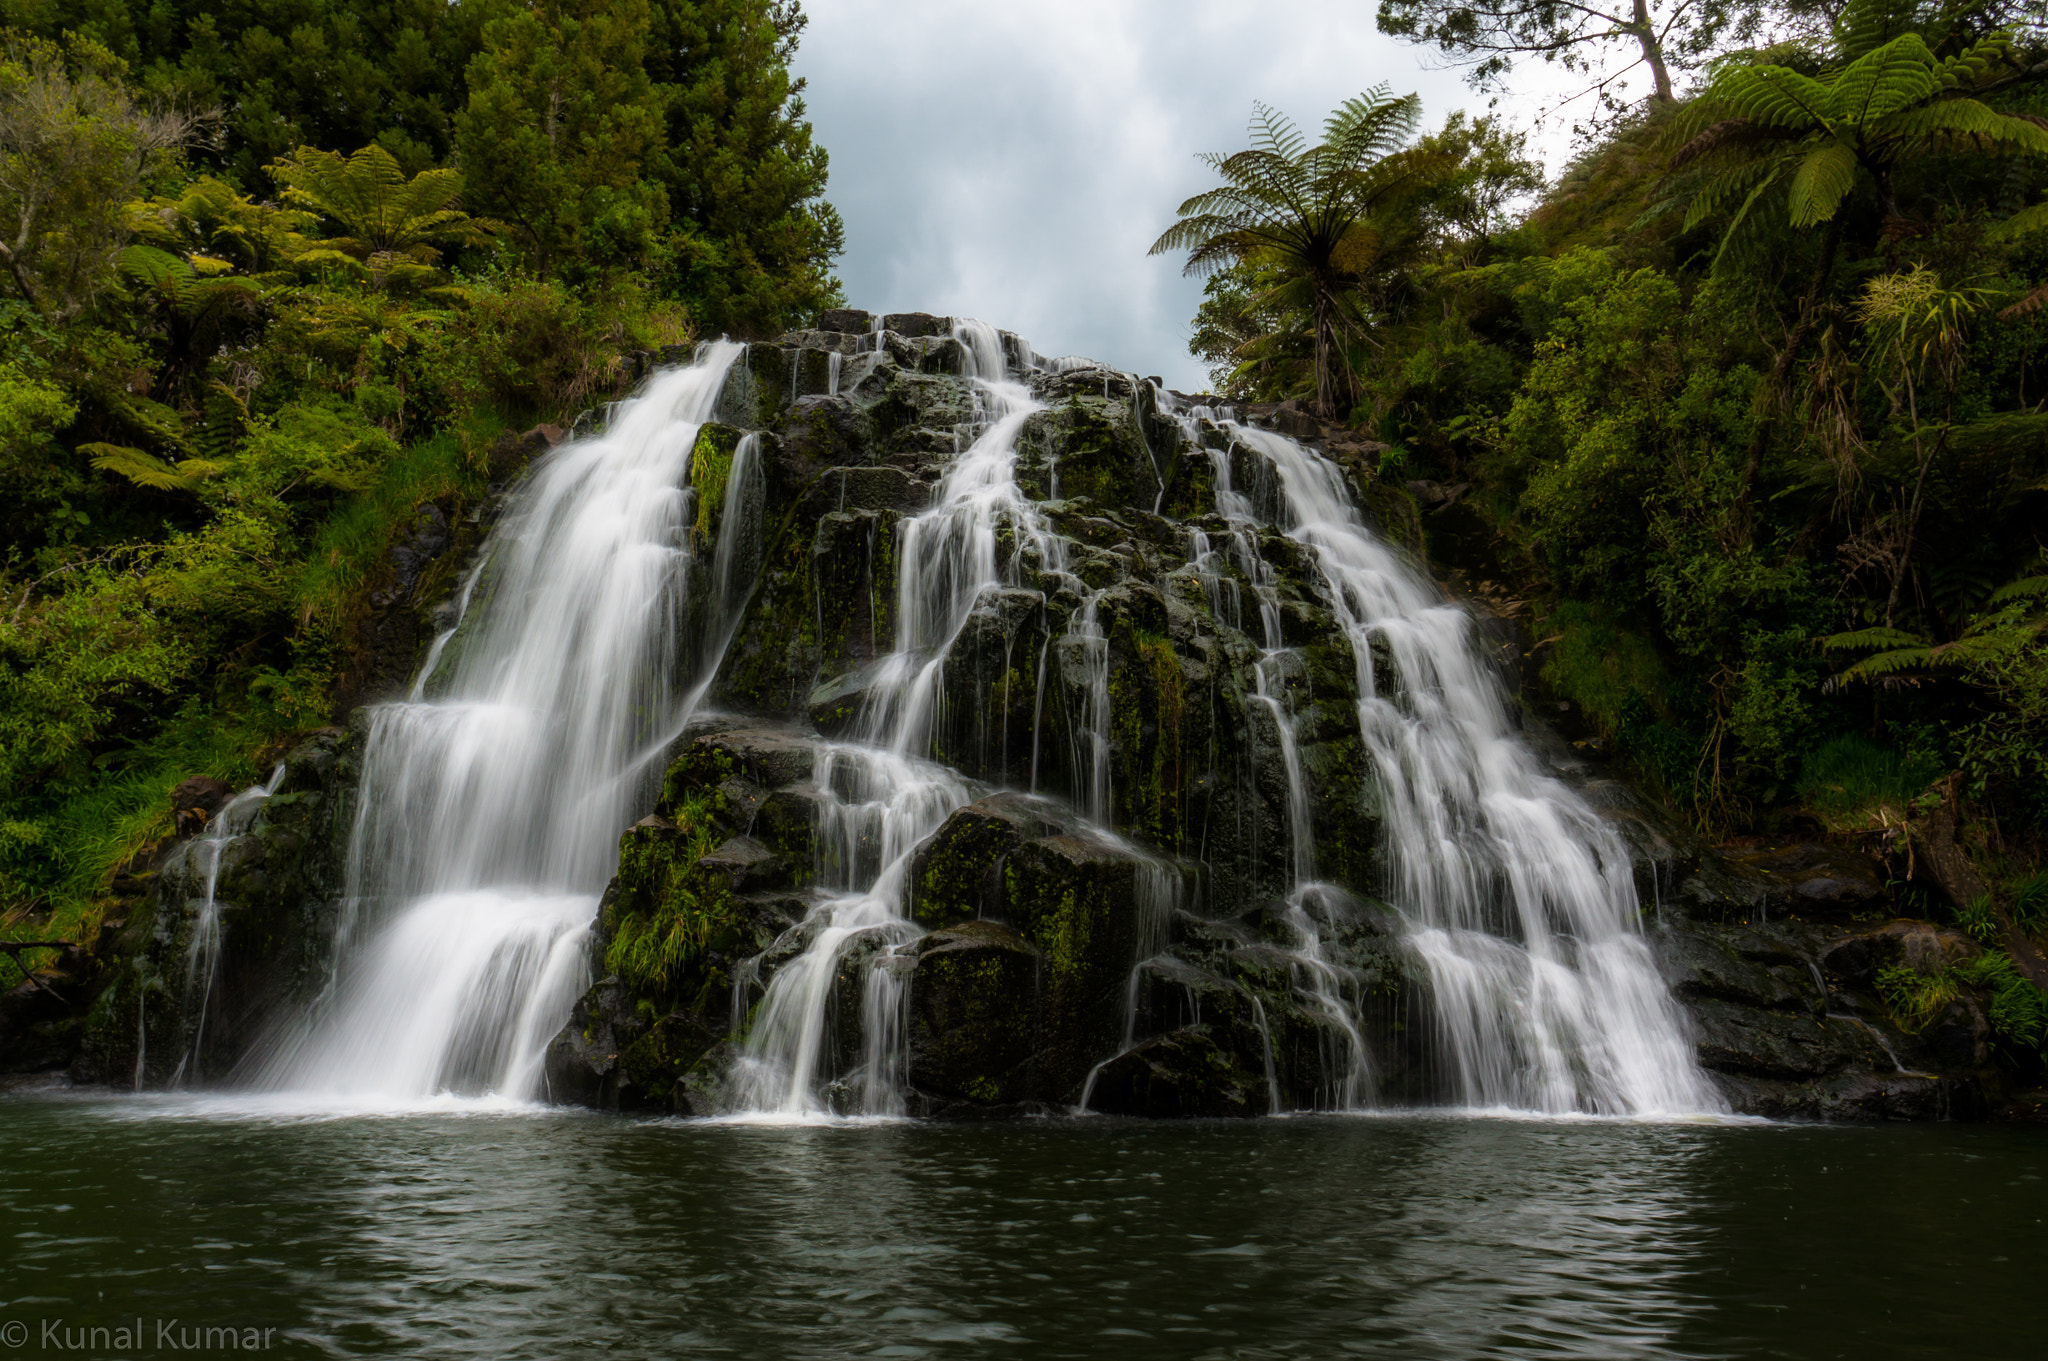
<point x="819" y="432"/>
<point x="913" y="324"/>
<point x="746" y="865"/>
<point x="194" y="801"/>
<point x="1816" y="880"/>
<point x="1175" y="1076"/>
<point x="846" y="319"/>
<point x="958" y="873"/>
<point x="975" y="1015"/>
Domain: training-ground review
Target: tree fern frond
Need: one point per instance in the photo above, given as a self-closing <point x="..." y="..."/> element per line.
<point x="1952" y="120"/>
<point x="1824" y="178"/>
<point x="2024" y="589"/>
<point x="144" y="469"/>
<point x="1775" y="96"/>
<point x="2026" y="306"/>
<point x="1275" y="133"/>
<point x="1872" y="637"/>
<point x="1744" y="181"/>
<point x="227" y="420"/>
<point x="1968" y="68"/>
<point x="1899" y="73"/>
<point x="1726" y="134"/>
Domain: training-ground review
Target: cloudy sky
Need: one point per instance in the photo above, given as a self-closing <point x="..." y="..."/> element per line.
<point x="1014" y="161"/>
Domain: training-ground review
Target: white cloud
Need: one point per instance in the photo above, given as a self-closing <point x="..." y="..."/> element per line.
<point x="1015" y="161"/>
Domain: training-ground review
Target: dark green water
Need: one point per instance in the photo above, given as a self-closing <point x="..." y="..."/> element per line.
<point x="562" y="1235"/>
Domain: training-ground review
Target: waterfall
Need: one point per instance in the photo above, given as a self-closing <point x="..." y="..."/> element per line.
<point x="882" y="793"/>
<point x="202" y="949"/>
<point x="1518" y="898"/>
<point x="492" y="798"/>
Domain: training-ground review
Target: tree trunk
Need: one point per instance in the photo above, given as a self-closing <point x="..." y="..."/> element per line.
<point x="1781" y="371"/>
<point x="1952" y="872"/>
<point x="1653" y="53"/>
<point x="21" y="280"/>
<point x="1326" y="352"/>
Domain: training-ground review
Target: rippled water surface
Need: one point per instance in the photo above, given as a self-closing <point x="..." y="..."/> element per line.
<point x="520" y="1233"/>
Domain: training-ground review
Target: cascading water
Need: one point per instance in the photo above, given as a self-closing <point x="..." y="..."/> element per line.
<point x="202" y="950"/>
<point x="1518" y="897"/>
<point x="492" y="799"/>
<point x="881" y="794"/>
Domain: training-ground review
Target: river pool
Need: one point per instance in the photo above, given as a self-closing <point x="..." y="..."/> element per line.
<point x="474" y="1230"/>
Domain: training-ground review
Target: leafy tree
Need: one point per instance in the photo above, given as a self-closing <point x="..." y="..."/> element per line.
<point x="75" y="143"/>
<point x="1316" y="214"/>
<point x="562" y="128"/>
<point x="754" y="238"/>
<point x="290" y="73"/>
<point x="1488" y="35"/>
<point x="1786" y="150"/>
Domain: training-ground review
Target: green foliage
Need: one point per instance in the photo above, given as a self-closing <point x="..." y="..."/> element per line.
<point x="75" y="146"/>
<point x="2030" y="904"/>
<point x="217" y="412"/>
<point x="2017" y="1010"/>
<point x="1853" y="783"/>
<point x="753" y="238"/>
<point x="392" y="225"/>
<point x="1768" y="145"/>
<point x="1763" y="466"/>
<point x="667" y="909"/>
<point x="561" y="129"/>
<point x="1313" y="215"/>
<point x="32" y="411"/>
<point x="328" y="73"/>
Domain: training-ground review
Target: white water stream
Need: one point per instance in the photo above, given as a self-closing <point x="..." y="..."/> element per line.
<point x="203" y="948"/>
<point x="492" y="799"/>
<point x="882" y="793"/>
<point x="1519" y="898"/>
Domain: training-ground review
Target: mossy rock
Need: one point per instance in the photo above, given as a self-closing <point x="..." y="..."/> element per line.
<point x="957" y="875"/>
<point x="1076" y="898"/>
<point x="1175" y="1076"/>
<point x="976" y="1013"/>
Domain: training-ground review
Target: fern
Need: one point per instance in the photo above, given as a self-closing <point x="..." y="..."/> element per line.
<point x="1885" y="100"/>
<point x="146" y="469"/>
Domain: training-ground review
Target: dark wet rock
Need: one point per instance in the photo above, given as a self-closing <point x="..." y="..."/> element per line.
<point x="1077" y="898"/>
<point x="511" y="452"/>
<point x="959" y="873"/>
<point x="746" y="865"/>
<point x="611" y="1056"/>
<point x="1751" y="1043"/>
<point x="976" y="1009"/>
<point x="846" y="319"/>
<point x="1177" y="1075"/>
<point x="835" y="705"/>
<point x="1859" y="1096"/>
<point x="914" y="324"/>
<point x="279" y="891"/>
<point x="194" y="802"/>
<point x="1920" y="946"/>
<point x="819" y="432"/>
<point x="1817" y="880"/>
<point x="769" y="756"/>
<point x="866" y="489"/>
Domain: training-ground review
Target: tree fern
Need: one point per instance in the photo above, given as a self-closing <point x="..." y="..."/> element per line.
<point x="1308" y="211"/>
<point x="146" y="469"/>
